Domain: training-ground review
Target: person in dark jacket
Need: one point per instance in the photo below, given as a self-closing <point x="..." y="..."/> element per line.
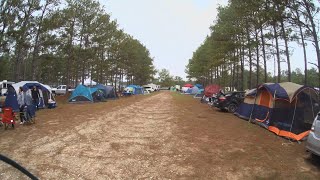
<point x="35" y="96"/>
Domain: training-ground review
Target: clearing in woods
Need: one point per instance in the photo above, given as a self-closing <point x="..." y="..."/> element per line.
<point x="162" y="136"/>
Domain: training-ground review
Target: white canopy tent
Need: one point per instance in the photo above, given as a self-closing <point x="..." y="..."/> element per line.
<point x="89" y="82"/>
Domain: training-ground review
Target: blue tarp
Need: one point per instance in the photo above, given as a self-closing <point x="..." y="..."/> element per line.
<point x="82" y="93"/>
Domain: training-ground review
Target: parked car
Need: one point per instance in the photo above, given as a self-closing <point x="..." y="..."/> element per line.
<point x="150" y="89"/>
<point x="229" y="101"/>
<point x="313" y="141"/>
<point x="61" y="90"/>
<point x="210" y="100"/>
<point x="4" y="87"/>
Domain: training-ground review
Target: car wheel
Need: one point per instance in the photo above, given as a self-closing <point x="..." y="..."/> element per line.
<point x="232" y="107"/>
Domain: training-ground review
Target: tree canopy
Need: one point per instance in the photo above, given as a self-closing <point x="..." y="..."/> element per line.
<point x="55" y="41"/>
<point x="248" y="34"/>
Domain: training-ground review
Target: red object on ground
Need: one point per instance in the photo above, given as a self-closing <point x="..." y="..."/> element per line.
<point x="8" y="116"/>
<point x="211" y="89"/>
<point x="188" y="85"/>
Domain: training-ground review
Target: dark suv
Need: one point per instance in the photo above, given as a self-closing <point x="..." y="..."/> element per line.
<point x="229" y="101"/>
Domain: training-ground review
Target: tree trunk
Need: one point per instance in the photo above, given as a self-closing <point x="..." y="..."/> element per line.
<point x="20" y="46"/>
<point x="314" y="35"/>
<point x="304" y="49"/>
<point x="258" y="60"/>
<point x="285" y="38"/>
<point x="250" y="59"/>
<point x="264" y="55"/>
<point x="70" y="54"/>
<point x="277" y="49"/>
<point x="242" y="69"/>
<point x="233" y="73"/>
<point x="34" y="64"/>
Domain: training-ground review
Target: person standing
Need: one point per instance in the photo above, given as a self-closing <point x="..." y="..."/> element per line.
<point x="21" y="103"/>
<point x="35" y="96"/>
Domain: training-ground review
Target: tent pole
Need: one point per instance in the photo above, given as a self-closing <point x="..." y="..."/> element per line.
<point x="294" y="114"/>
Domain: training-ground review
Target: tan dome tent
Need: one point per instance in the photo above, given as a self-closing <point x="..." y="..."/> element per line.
<point x="287" y="109"/>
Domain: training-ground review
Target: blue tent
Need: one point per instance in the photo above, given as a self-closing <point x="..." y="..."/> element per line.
<point x="44" y="90"/>
<point x="85" y="94"/>
<point x="189" y="91"/>
<point x="199" y="94"/>
<point x="199" y="86"/>
<point x="136" y="89"/>
<point x="108" y="91"/>
<point x="11" y="98"/>
<point x="30" y="85"/>
<point x="287" y="109"/>
<point x="194" y="90"/>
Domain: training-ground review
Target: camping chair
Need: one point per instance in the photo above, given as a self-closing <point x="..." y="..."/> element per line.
<point x="8" y="117"/>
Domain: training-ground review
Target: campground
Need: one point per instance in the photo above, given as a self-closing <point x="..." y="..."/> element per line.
<point x="163" y="135"/>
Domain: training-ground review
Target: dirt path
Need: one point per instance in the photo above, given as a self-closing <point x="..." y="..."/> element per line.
<point x="164" y="136"/>
<point x="134" y="141"/>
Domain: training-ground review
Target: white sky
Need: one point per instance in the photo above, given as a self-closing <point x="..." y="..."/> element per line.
<point x="173" y="29"/>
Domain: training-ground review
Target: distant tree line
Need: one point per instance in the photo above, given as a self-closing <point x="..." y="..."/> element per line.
<point x="56" y="41"/>
<point x="165" y="79"/>
<point x="249" y="33"/>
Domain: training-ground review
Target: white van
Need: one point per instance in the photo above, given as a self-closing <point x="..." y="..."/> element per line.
<point x="4" y="86"/>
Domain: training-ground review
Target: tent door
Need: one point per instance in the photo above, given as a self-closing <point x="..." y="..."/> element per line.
<point x="265" y="102"/>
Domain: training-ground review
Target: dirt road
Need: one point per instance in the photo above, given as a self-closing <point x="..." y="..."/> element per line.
<point x="163" y="136"/>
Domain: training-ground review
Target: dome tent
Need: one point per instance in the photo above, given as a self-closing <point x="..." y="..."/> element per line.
<point x="199" y="86"/>
<point x="287" y="109"/>
<point x="44" y="91"/>
<point x="136" y="89"/>
<point x="84" y="94"/>
<point x="108" y="91"/>
<point x="186" y="87"/>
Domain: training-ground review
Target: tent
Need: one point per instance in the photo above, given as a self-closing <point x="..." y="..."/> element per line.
<point x="108" y="91"/>
<point x="245" y="108"/>
<point x="89" y="82"/>
<point x="189" y="91"/>
<point x="287" y="109"/>
<point x="86" y="94"/>
<point x="211" y="89"/>
<point x="11" y="98"/>
<point x="194" y="90"/>
<point x="44" y="91"/>
<point x="172" y="88"/>
<point x="184" y="89"/>
<point x="199" y="86"/>
<point x="135" y="89"/>
<point x="188" y="85"/>
<point x="199" y="94"/>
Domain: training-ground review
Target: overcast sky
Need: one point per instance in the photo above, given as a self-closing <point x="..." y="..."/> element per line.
<point x="173" y="29"/>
